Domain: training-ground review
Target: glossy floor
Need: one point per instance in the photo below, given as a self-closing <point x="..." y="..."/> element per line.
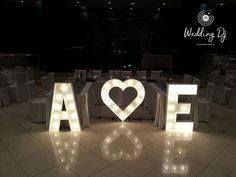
<point x="115" y="149"/>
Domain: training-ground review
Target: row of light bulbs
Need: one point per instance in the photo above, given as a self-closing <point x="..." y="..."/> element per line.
<point x="109" y="3"/>
<point x="121" y="154"/>
<point x="170" y="149"/>
<point x="64" y="92"/>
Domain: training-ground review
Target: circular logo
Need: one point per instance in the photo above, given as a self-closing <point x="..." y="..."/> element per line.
<point x="205" y="19"/>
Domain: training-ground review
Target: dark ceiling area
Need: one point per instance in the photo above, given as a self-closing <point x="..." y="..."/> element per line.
<point x="106" y="34"/>
<point x="122" y="4"/>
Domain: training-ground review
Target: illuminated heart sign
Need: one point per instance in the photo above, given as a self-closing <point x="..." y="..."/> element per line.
<point x="122" y="114"/>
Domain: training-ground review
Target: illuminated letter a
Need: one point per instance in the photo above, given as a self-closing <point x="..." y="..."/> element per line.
<point x="64" y="92"/>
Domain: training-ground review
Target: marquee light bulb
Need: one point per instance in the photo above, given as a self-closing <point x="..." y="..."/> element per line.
<point x="63" y="92"/>
<point x="122" y="114"/>
<point x="174" y="108"/>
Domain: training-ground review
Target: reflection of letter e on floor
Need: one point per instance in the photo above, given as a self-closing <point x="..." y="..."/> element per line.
<point x="174" y="108"/>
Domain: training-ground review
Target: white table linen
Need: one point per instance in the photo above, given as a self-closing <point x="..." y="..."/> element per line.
<point x="82" y="104"/>
<point x="156" y="103"/>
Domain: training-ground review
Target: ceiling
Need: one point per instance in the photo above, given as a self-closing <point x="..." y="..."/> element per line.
<point x="123" y="4"/>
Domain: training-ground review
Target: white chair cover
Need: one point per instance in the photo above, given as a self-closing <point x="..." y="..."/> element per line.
<point x="156" y="103"/>
<point x="229" y="80"/>
<point x="127" y="74"/>
<point x="83" y="104"/>
<point x="81" y="73"/>
<point x="18" y="90"/>
<point x="21" y="77"/>
<point x="187" y="79"/>
<point x="234" y="82"/>
<point x="117" y="73"/>
<point x="3" y="81"/>
<point x="110" y="73"/>
<point x="97" y="73"/>
<point x="97" y="88"/>
<point x="4" y="92"/>
<point x="213" y="77"/>
<point x="11" y="79"/>
<point x="142" y="74"/>
<point x="196" y="81"/>
<point x="51" y="78"/>
<point x="39" y="107"/>
<point x="222" y="93"/>
<point x="232" y="100"/>
<point x="204" y="103"/>
<point x="18" y="68"/>
<point x="194" y="113"/>
<point x="156" y="75"/>
<point x="30" y="74"/>
<point x="10" y="76"/>
<point x="210" y="91"/>
<point x="46" y="86"/>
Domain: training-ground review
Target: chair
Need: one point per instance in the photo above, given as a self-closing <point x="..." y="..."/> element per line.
<point x="204" y="103"/>
<point x="4" y="93"/>
<point x="187" y="79"/>
<point x="196" y="81"/>
<point x="81" y="73"/>
<point x="18" y="68"/>
<point x="97" y="73"/>
<point x="18" y="89"/>
<point x="110" y="73"/>
<point x="30" y="74"/>
<point x="232" y="99"/>
<point x="117" y="73"/>
<point x="114" y="73"/>
<point x="39" y="107"/>
<point x="126" y="74"/>
<point x="213" y="77"/>
<point x="51" y="78"/>
<point x="83" y="104"/>
<point x="222" y="93"/>
<point x="234" y="82"/>
<point x="46" y="86"/>
<point x="156" y="75"/>
<point x="141" y="74"/>
<point x="229" y="81"/>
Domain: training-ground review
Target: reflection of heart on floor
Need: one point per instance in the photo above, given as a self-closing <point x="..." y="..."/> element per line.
<point x="122" y="153"/>
<point x="123" y="114"/>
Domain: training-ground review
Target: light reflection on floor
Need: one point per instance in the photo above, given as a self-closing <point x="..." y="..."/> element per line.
<point x="112" y="148"/>
<point x="121" y="154"/>
<point x="176" y="164"/>
<point x="65" y="149"/>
